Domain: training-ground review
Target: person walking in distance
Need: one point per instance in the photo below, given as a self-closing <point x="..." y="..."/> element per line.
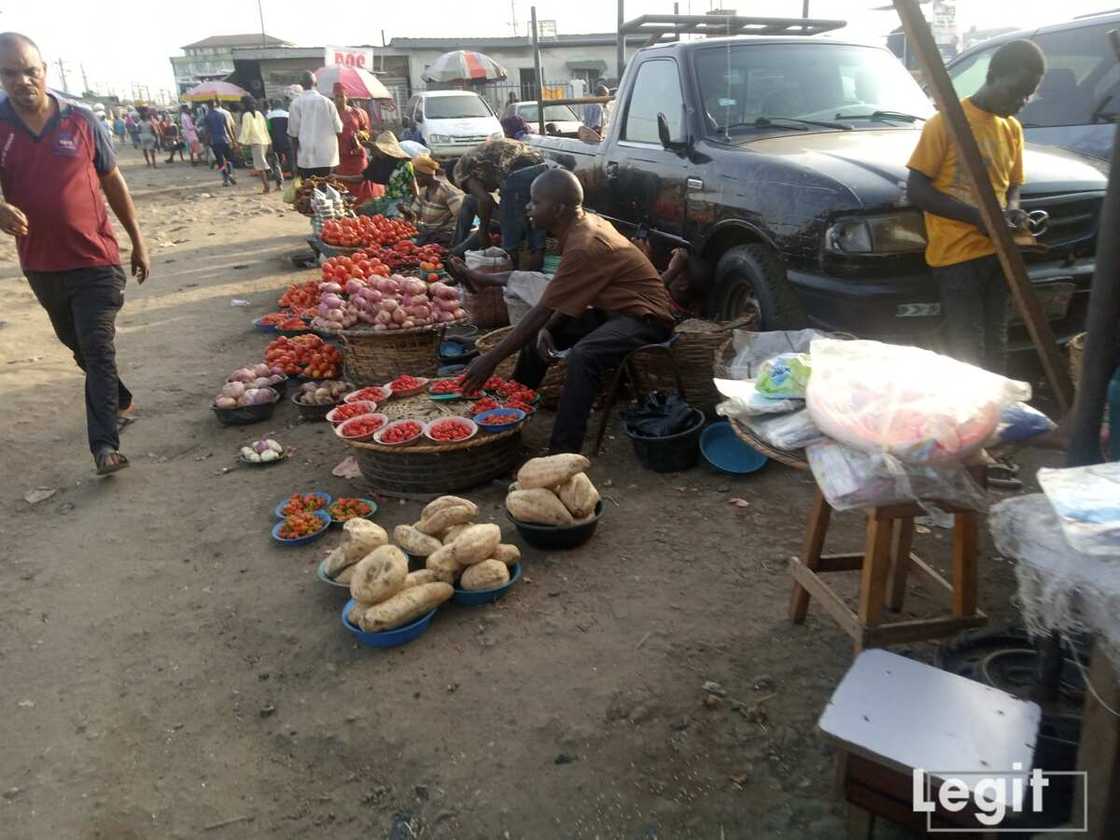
<point x="254" y="134"/>
<point x="55" y="163"/>
<point x="149" y="137"/>
<point x="219" y="125"/>
<point x="973" y="291"/>
<point x="313" y="126"/>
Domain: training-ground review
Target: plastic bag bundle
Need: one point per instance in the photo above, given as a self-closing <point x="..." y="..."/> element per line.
<point x="850" y="478"/>
<point x="754" y="348"/>
<point x="1087" y="501"/>
<point x="784" y="376"/>
<point x="744" y="400"/>
<point x="1020" y="422"/>
<point x="794" y="430"/>
<point x="918" y="406"/>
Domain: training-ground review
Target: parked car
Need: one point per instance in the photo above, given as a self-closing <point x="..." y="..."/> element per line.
<point x="566" y="121"/>
<point x="780" y="163"/>
<point x="452" y="121"/>
<point x="1078" y="102"/>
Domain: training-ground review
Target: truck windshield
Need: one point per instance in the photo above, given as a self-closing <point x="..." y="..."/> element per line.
<point x="552" y="113"/>
<point x="745" y="86"/>
<point x="455" y="107"/>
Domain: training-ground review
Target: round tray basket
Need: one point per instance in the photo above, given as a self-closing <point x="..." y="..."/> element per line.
<point x="551" y="385"/>
<point x="373" y="358"/>
<point x="790" y="457"/>
<point x="439" y="468"/>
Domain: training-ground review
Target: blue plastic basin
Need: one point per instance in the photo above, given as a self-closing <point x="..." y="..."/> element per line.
<point x="477" y="597"/>
<point x="723" y="450"/>
<point x="387" y="638"/>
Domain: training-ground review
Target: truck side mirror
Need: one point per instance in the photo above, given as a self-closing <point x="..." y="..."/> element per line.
<point x="663" y="131"/>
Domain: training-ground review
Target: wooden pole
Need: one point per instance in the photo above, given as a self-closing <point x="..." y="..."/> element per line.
<point x="537" y="67"/>
<point x="1014" y="271"/>
<point x="620" y="47"/>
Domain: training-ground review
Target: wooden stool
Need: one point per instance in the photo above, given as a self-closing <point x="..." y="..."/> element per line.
<point x="884" y="567"/>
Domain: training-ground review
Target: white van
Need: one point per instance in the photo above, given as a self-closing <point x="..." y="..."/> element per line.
<point x="452" y="121"/>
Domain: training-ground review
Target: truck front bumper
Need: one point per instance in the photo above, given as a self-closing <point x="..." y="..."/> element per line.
<point x="907" y="309"/>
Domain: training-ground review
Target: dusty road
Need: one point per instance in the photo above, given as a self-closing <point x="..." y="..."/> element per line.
<point x="168" y="672"/>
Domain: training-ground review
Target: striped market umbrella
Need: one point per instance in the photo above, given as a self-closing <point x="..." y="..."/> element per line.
<point x="358" y="83"/>
<point x="464" y="66"/>
<point x="205" y="92"/>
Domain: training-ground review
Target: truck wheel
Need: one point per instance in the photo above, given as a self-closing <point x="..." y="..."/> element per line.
<point x="752" y="278"/>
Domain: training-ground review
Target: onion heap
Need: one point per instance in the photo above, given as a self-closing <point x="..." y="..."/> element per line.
<point x="386" y="303"/>
<point x="249" y="386"/>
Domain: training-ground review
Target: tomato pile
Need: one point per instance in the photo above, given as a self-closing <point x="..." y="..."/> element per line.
<point x="345" y="509"/>
<point x="347" y="411"/>
<point x="409" y="255"/>
<point x="358" y="266"/>
<point x="298" y="525"/>
<point x="528" y="408"/>
<point x="302" y="503"/>
<point x="362" y="426"/>
<point x="447" y="386"/>
<point x="301" y="297"/>
<point x="405" y="383"/>
<point x="365" y="231"/>
<point x="304" y="355"/>
<point x="485" y="404"/>
<point x="510" y="389"/>
<point x="449" y="430"/>
<point x="372" y="393"/>
<point x="273" y="319"/>
<point x="500" y="418"/>
<point x="403" y="431"/>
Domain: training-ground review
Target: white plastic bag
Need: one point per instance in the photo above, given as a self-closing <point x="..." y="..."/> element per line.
<point x="794" y="430"/>
<point x="744" y="400"/>
<point x="490" y="261"/>
<point x="850" y="478"/>
<point x="1087" y="501"/>
<point x="754" y="348"/>
<point x="918" y="406"/>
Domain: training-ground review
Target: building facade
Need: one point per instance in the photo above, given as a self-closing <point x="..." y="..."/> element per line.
<point x="212" y="58"/>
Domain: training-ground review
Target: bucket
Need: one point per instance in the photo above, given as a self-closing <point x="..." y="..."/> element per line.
<point x="673" y="453"/>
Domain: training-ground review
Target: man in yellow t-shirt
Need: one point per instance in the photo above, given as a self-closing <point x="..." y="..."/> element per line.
<point x="962" y="256"/>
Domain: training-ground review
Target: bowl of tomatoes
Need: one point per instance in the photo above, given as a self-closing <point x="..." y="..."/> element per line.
<point x="303" y="503"/>
<point x="407" y="386"/>
<point x="361" y="428"/>
<point x="400" y="433"/>
<point x="446" y="389"/>
<point x="499" y="419"/>
<point x="343" y="509"/>
<point x="301" y="528"/>
<point x="341" y="413"/>
<point x="450" y="430"/>
<point x="372" y="393"/>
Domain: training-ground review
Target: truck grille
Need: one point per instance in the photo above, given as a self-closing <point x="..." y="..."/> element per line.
<point x="469" y="141"/>
<point x="1073" y="219"/>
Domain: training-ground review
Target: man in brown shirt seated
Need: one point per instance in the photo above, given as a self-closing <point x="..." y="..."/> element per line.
<point x="605" y="301"/>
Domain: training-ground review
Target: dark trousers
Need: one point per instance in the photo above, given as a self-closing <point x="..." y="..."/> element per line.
<point x="82" y="305"/>
<point x="974" y="307"/>
<point x="223" y="155"/>
<point x="598" y="343"/>
<point x="317" y="171"/>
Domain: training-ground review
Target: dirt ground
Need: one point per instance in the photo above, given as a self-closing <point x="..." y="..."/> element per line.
<point x="168" y="671"/>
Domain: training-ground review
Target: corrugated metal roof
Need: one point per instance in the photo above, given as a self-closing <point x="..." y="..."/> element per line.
<point x="255" y="39"/>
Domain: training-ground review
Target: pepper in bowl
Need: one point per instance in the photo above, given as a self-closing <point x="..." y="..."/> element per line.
<point x="407" y="386"/>
<point x="302" y="503"/>
<point x="301" y="524"/>
<point x="362" y="427"/>
<point x="399" y="432"/>
<point x="345" y="509"/>
<point x="451" y="430"/>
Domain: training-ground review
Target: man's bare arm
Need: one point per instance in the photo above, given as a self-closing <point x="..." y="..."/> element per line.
<point x="119" y="198"/>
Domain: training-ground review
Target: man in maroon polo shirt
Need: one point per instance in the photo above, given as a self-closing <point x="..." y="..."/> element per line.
<point x="55" y="163"/>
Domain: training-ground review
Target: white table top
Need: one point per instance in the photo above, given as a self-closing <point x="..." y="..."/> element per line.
<point x="906" y="715"/>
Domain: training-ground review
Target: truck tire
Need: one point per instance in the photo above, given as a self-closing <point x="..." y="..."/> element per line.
<point x="753" y="277"/>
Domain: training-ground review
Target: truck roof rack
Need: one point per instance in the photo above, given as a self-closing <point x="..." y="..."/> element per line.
<point x="719" y="26"/>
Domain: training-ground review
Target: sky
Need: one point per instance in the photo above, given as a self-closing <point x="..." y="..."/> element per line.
<point x="127" y="41"/>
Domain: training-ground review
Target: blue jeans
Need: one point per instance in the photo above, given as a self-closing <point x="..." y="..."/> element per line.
<point x="514" y="221"/>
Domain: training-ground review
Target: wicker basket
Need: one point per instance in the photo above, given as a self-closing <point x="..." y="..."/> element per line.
<point x="551" y="385"/>
<point x="1076" y="353"/>
<point x="372" y="358"/>
<point x="439" y="468"/>
<point x="487" y="308"/>
<point x="790" y="457"/>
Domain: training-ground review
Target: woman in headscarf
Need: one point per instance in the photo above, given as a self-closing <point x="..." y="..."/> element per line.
<point x="390" y="167"/>
<point x="254" y="134"/>
<point x="352" y="158"/>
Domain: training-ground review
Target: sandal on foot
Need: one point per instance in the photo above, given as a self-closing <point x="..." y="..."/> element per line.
<point x="110" y="461"/>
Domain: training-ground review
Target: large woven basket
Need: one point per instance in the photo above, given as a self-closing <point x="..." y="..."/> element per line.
<point x="439" y="468"/>
<point x="551" y="385"/>
<point x="372" y="358"/>
<point x="487" y="308"/>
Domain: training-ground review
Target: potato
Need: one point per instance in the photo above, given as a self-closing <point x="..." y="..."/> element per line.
<point x="405" y="606"/>
<point x="379" y="575"/>
<point x="346" y="574"/>
<point x="476" y="543"/>
<point x="508" y="554"/>
<point x="550" y="471"/>
<point x="355" y="613"/>
<point x="420" y="576"/>
<point x="442" y="520"/>
<point x="579" y="495"/>
<point x="450" y="535"/>
<point x="446" y="502"/>
<point x="443" y="564"/>
<point x="336" y="562"/>
<point x="360" y="537"/>
<point x="489" y="574"/>
<point x="415" y="542"/>
<point x="538" y="506"/>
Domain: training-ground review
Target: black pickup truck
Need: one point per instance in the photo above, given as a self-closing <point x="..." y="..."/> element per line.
<point x="780" y="162"/>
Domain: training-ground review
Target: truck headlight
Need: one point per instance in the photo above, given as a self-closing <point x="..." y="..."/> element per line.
<point x="439" y="139"/>
<point x="893" y="233"/>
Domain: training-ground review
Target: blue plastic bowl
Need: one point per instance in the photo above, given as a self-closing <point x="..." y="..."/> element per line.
<point x="278" y="511"/>
<point x="478" y="597"/>
<point x="387" y="638"/>
<point x="724" y="451"/>
<point x="322" y="514"/>
<point x="321" y="573"/>
<point x="516" y="413"/>
<point x="262" y="327"/>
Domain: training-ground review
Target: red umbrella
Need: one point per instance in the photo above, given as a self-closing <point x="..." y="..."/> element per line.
<point x="462" y="66"/>
<point x="357" y="83"/>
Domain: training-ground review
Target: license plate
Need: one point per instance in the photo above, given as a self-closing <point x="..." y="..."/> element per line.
<point x="1054" y="298"/>
<point x="917" y="310"/>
